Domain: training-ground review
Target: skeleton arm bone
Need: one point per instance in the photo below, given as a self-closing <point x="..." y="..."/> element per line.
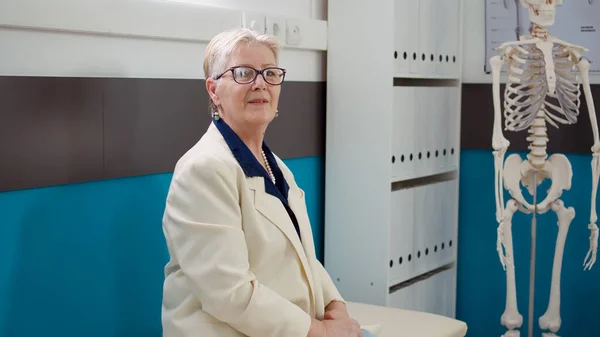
<point x="584" y="67"/>
<point x="500" y="145"/>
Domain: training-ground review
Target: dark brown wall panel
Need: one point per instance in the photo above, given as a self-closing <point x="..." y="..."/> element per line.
<point x="50" y="131"/>
<point x="299" y="131"/>
<point x="150" y="123"/>
<point x="478" y="118"/>
<point x="66" y="130"/>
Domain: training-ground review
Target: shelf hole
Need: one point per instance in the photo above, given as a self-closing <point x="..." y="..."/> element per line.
<point x="411" y="157"/>
<point x="431" y="57"/>
<point x="447" y="59"/>
<point x="443" y="245"/>
<point x="391" y="263"/>
<point x="402" y="158"/>
<point x="405" y="55"/>
<point x="454" y="59"/>
<point x="409" y="257"/>
<point x="395" y="54"/>
<point x="400" y="260"/>
<point x="420" y="155"/>
<point x="437" y="153"/>
<point x="428" y="154"/>
<point x="393" y="159"/>
<point x="441" y="58"/>
<point x="426" y="251"/>
<point x="450" y="243"/>
<point x="414" y="56"/>
<point x="444" y="152"/>
<point x="435" y="248"/>
<point x="452" y="151"/>
<point x="418" y="254"/>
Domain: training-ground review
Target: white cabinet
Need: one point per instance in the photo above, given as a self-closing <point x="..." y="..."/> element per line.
<point x="425" y="130"/>
<point x="392" y="151"/>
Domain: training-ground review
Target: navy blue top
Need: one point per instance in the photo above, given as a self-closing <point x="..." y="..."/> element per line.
<point x="252" y="168"/>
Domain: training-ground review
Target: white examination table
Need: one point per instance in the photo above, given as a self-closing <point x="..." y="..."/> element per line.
<point x="391" y="322"/>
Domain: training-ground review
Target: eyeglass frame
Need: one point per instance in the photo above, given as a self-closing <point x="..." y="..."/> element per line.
<point x="257" y="72"/>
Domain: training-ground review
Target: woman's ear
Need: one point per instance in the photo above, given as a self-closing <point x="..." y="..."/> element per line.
<point x="211" y="88"/>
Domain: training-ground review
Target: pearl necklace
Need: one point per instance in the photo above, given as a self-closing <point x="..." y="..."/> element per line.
<point x="268" y="166"/>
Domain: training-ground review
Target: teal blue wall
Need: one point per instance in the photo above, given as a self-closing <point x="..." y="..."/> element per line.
<point x="87" y="259"/>
<point x="481" y="280"/>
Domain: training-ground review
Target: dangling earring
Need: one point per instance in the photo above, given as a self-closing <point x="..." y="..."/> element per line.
<point x="276" y="113"/>
<point x="216" y="115"/>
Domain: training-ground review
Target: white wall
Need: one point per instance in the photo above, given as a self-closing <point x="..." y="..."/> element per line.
<point x="474" y="44"/>
<point x="313" y="9"/>
<point x="143" y="38"/>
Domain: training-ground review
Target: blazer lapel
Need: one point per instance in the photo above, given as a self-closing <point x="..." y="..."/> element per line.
<point x="296" y="202"/>
<point x="272" y="209"/>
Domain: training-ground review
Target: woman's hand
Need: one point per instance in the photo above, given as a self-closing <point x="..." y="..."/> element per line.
<point x="336" y="310"/>
<point x="342" y="327"/>
<point x="337" y="321"/>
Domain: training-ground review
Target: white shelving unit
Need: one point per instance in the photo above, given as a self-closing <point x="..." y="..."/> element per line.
<point x="392" y="151"/>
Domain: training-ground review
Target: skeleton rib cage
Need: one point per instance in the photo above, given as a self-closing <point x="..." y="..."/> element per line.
<point x="526" y="94"/>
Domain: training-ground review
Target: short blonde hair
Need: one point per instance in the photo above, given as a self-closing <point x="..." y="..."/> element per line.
<point x="221" y="47"/>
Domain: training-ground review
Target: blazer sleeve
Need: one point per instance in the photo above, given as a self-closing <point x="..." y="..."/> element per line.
<point x="330" y="291"/>
<point x="203" y="225"/>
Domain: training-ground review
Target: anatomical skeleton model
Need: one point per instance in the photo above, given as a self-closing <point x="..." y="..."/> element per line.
<point x="542" y="88"/>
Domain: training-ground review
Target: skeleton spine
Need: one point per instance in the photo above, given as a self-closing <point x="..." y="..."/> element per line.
<point x="537" y="140"/>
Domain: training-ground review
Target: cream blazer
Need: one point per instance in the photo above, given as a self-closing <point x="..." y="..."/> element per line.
<point x="237" y="266"/>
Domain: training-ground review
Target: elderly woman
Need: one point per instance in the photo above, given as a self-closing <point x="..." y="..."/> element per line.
<point x="243" y="261"/>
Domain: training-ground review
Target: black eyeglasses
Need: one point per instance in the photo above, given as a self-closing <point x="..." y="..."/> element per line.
<point x="246" y="75"/>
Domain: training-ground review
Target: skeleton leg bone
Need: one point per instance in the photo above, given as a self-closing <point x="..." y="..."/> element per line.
<point x="511" y="318"/>
<point x="551" y="319"/>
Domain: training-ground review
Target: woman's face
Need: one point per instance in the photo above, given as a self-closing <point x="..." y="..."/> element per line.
<point x="246" y="105"/>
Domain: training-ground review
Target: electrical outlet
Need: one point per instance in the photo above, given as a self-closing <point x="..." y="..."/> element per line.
<point x="254" y="22"/>
<point x="276" y="27"/>
<point x="293" y="32"/>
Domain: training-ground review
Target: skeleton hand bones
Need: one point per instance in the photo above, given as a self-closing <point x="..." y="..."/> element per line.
<point x="591" y="254"/>
<point x="499" y="245"/>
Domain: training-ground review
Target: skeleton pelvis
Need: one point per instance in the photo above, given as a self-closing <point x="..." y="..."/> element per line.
<point x="519" y="172"/>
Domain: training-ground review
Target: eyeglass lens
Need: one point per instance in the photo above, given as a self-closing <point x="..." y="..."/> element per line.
<point x="247" y="75"/>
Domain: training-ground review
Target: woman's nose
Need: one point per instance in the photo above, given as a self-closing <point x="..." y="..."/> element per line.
<point x="259" y="82"/>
